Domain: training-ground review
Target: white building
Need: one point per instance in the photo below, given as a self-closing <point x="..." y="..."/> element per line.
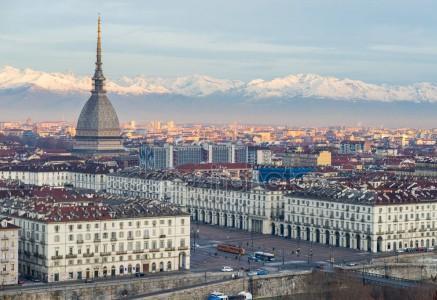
<point x="8" y="252"/>
<point x="242" y="205"/>
<point x="365" y="220"/>
<point x="264" y="157"/>
<point x="90" y="177"/>
<point x="69" y="237"/>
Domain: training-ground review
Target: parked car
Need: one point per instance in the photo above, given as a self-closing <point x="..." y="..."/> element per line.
<point x="227" y="269"/>
<point x="430" y="249"/>
<point x="20" y="281"/>
<point x="89" y="280"/>
<point x="140" y="274"/>
<point x="351" y="264"/>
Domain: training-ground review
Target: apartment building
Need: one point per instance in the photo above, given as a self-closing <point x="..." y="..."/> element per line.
<point x="236" y="204"/>
<point x="67" y="236"/>
<point x="8" y="252"/>
<point x="81" y="176"/>
<point x="372" y="220"/>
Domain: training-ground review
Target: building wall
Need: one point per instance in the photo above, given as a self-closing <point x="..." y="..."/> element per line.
<point x="95" y="182"/>
<point x="61" y="251"/>
<point x="8" y="256"/>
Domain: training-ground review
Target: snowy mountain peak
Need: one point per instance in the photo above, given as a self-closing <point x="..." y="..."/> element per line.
<point x="291" y="86"/>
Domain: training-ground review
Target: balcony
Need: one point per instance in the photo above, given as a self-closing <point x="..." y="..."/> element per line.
<point x="5" y="248"/>
<point x="71" y="256"/>
<point x="56" y="257"/>
<point x="88" y="254"/>
<point x="161" y="236"/>
<point x="97" y="240"/>
<point x="79" y="241"/>
<point x="4" y="273"/>
<point x="130" y="237"/>
<point x="4" y="260"/>
<point x="170" y="249"/>
<point x="105" y="253"/>
<point x="121" y="252"/>
<point x="183" y="248"/>
<point x="146" y="237"/>
<point x="154" y="250"/>
<point x="138" y="251"/>
<point x="113" y="239"/>
<point x="5" y="238"/>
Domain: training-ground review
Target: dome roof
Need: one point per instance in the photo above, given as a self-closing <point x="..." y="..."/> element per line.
<point x="98" y="118"/>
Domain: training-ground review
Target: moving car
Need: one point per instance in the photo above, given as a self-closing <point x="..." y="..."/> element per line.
<point x="217" y="296"/>
<point x="227" y="269"/>
<point x="252" y="273"/>
<point x="261" y="272"/>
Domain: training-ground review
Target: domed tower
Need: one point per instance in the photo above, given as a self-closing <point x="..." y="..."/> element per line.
<point x="98" y="128"/>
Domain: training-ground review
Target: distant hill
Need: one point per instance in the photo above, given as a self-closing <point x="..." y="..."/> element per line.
<point x="303" y="99"/>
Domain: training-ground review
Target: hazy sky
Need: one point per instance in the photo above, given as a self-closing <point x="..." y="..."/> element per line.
<point x="393" y="41"/>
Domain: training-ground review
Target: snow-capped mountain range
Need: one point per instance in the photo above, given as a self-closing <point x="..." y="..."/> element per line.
<point x="292" y="86"/>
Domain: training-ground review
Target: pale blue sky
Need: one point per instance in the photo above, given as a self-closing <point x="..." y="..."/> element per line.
<point x="392" y="41"/>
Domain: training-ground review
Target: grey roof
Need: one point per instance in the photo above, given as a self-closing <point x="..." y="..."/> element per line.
<point x="98" y="118"/>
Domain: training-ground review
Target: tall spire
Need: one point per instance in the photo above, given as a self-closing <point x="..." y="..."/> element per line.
<point x="98" y="77"/>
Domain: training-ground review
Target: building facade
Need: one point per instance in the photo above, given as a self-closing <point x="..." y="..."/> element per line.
<point x="8" y="252"/>
<point x="359" y="220"/>
<point x="79" y="239"/>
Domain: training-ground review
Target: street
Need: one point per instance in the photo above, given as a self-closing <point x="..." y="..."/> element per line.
<point x="289" y="253"/>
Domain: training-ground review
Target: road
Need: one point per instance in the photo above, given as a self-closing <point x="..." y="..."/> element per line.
<point x="205" y="256"/>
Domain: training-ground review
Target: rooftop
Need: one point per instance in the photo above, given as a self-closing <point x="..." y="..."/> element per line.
<point x="61" y="205"/>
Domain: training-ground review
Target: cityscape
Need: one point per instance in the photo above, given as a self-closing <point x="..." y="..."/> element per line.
<point x="217" y="200"/>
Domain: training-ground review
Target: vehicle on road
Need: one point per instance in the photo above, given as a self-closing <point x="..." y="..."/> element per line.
<point x="227" y="269"/>
<point x="252" y="273"/>
<point x="217" y="296"/>
<point x="220" y="296"/>
<point x="261" y="272"/>
<point x="89" y="280"/>
<point x="252" y="257"/>
<point x="231" y="249"/>
<point x="351" y="264"/>
<point x="139" y="274"/>
<point x="264" y="256"/>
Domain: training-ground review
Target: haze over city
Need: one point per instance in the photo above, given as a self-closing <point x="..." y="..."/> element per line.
<point x="218" y="150"/>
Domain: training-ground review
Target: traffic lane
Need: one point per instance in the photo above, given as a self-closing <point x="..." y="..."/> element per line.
<point x="211" y="259"/>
